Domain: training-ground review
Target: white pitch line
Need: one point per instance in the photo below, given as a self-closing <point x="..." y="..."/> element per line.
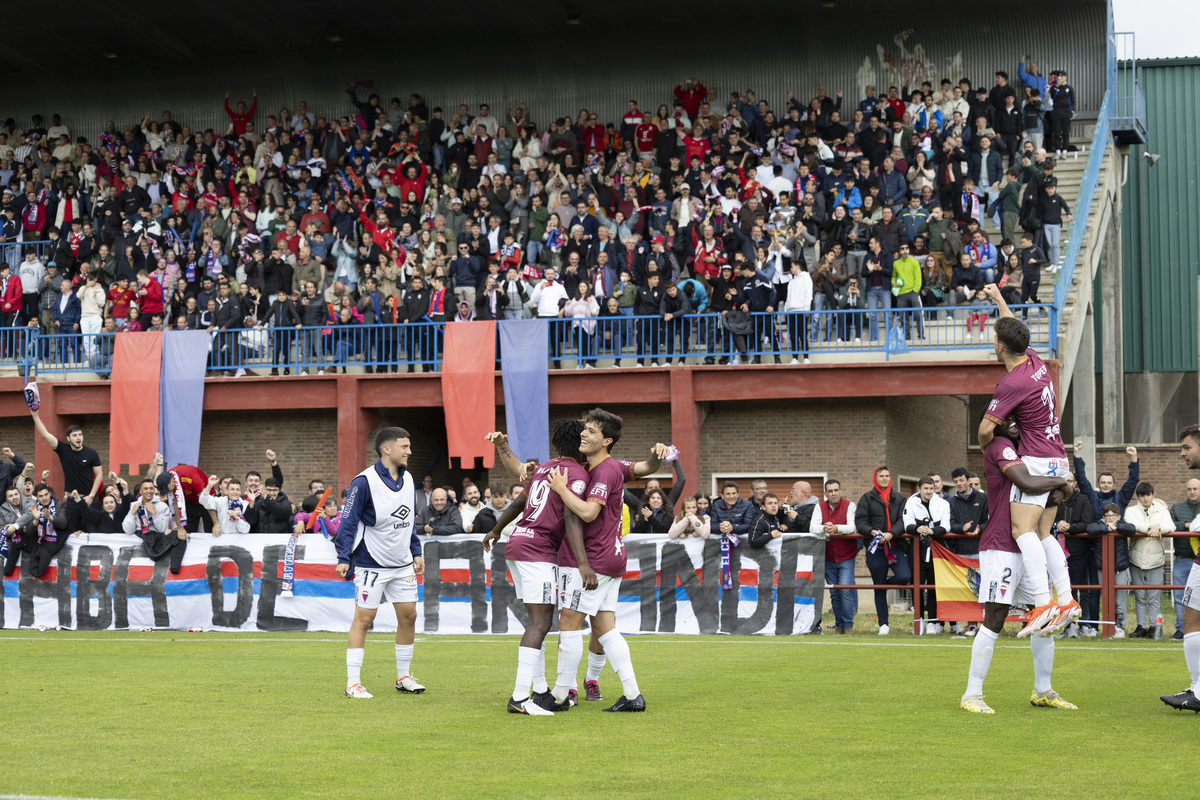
<point x="44" y="797"/>
<point x="682" y="639"/>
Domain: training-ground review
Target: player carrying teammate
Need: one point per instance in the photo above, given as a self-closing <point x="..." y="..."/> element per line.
<point x="1003" y="581"/>
<point x="532" y="555"/>
<point x="1028" y="393"/>
<point x="601" y="515"/>
<point x="379" y="545"/>
<point x="1189" y="698"/>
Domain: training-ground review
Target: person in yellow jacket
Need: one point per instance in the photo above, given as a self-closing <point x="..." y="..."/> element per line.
<point x="1151" y="518"/>
<point x="906" y="288"/>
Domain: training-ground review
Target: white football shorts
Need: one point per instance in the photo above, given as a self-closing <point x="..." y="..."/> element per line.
<point x="536" y="582"/>
<point x="572" y="595"/>
<point x="374" y="586"/>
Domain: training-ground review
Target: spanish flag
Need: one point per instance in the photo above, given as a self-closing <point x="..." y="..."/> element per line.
<point x="957" y="585"/>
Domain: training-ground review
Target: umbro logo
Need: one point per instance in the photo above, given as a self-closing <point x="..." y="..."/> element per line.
<point x="401" y="513"/>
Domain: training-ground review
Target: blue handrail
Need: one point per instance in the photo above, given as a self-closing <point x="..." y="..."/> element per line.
<point x="1083" y="203"/>
<point x="580" y="343"/>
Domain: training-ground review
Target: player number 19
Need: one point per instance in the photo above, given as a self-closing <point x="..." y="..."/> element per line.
<point x="538" y="494"/>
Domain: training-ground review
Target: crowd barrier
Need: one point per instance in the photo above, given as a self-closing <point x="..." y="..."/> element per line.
<point x="583" y="342"/>
<point x="235" y="582"/>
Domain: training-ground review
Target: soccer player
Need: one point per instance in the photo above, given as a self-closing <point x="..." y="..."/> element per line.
<point x="532" y="555"/>
<point x="1028" y="393"/>
<point x="601" y="515"/>
<point x="379" y="545"/>
<point x="1189" y="699"/>
<point x="1003" y="581"/>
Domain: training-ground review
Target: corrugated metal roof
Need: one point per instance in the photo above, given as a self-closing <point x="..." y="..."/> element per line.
<point x="1161" y="223"/>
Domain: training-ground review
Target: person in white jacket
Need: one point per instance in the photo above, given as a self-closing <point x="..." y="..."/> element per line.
<point x="231" y="509"/>
<point x="147" y="514"/>
<point x="926" y="515"/>
<point x="796" y="306"/>
<point x="1151" y="518"/>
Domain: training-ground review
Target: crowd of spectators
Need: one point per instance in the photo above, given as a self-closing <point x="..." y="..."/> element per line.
<point x="895" y="530"/>
<point x="396" y="213"/>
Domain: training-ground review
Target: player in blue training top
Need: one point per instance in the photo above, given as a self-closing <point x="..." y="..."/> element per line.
<point x="378" y="548"/>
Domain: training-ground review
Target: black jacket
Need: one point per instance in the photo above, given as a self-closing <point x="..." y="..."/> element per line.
<point x="312" y="311"/>
<point x="764" y="524"/>
<point x="1076" y="512"/>
<point x="416" y="305"/>
<point x="274" y="516"/>
<point x="282" y="315"/>
<point x="972" y="508"/>
<point x="1124" y="531"/>
<point x="872" y="515"/>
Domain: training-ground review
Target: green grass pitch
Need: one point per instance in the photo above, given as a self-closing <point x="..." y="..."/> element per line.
<point x="178" y="715"/>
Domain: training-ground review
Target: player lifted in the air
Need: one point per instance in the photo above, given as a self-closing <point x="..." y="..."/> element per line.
<point x="1028" y="394"/>
<point x="532" y="555"/>
<point x="600" y="510"/>
<point x="378" y="541"/>
<point x="1003" y="581"/>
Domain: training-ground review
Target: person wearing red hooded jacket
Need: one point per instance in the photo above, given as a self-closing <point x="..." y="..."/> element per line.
<point x="878" y="519"/>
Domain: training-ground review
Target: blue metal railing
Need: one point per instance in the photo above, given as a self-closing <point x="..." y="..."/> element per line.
<point x="1083" y="203"/>
<point x="582" y="343"/>
<point x="13" y="253"/>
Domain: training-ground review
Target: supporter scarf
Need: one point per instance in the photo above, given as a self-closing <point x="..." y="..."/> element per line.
<point x="555" y="239"/>
<point x="727" y="544"/>
<point x="179" y="500"/>
<point x="4" y="545"/>
<point x="174" y="240"/>
<point x="886" y="496"/>
<point x="145" y="519"/>
<point x="190" y="272"/>
<point x="234" y="509"/>
<point x="212" y="266"/>
<point x="971" y="203"/>
<point x="437" y="302"/>
<point x="531" y="273"/>
<point x="507" y="251"/>
<point x="31" y="215"/>
<point x="45" y="527"/>
<point x="289" y="563"/>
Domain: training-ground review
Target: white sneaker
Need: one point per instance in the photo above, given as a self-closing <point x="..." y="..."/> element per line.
<point x="320" y="372"/>
<point x="806" y="361"/>
<point x="654" y="363"/>
<point x="884" y="630"/>
<point x="735" y="360"/>
<point x="955" y="628"/>
<point x="938" y="627"/>
<point x="409" y="686"/>
<point x="794" y="361"/>
<point x="858" y="340"/>
<point x="1120" y="633"/>
<point x="639" y="366"/>
<point x="241" y="373"/>
<point x="356" y="691"/>
<point x="303" y="372"/>
<point x="1072" y="631"/>
<point x="1089" y="633"/>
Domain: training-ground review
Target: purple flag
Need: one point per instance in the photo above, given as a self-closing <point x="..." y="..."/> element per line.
<point x="524" y="370"/>
<point x="181" y="395"/>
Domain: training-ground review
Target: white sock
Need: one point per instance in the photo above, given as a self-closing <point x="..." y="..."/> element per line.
<point x="617" y="650"/>
<point x="596" y="662"/>
<point x="354" y="659"/>
<point x="981" y="659"/>
<point x="403" y="659"/>
<point x="539" y="671"/>
<point x="1034" y="557"/>
<point x="1043" y="661"/>
<point x="1191" y="653"/>
<point x="526" y="663"/>
<point x="1056" y="567"/>
<point x="570" y="651"/>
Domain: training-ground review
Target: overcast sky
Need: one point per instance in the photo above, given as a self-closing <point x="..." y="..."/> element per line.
<point x="1162" y="28"/>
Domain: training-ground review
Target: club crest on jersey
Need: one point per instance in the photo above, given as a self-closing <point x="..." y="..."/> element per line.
<point x="1009" y="454"/>
<point x="365" y="594"/>
<point x="578" y="486"/>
